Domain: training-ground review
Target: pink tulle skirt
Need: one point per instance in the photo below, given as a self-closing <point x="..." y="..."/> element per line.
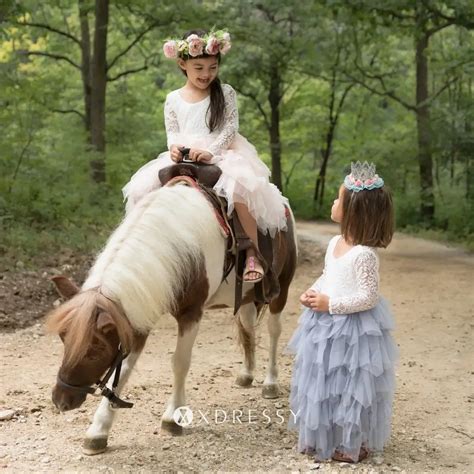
<point x="244" y="179"/>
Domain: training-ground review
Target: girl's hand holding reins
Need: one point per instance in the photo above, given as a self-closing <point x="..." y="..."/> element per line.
<point x="175" y="153"/>
<point x="203" y="156"/>
<point x="318" y="302"/>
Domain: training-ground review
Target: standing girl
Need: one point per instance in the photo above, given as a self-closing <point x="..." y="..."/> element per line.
<point x="343" y="380"/>
<point x="203" y="116"/>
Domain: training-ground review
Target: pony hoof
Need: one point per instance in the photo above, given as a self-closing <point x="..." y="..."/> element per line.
<point x="244" y="380"/>
<point x="271" y="391"/>
<point x="172" y="428"/>
<point x="93" y="446"/>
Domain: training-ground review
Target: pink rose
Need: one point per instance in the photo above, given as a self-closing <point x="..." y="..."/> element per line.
<point x="358" y="182"/>
<point x="224" y="47"/>
<point x="170" y="49"/>
<point x="196" y="45"/>
<point x="212" y="46"/>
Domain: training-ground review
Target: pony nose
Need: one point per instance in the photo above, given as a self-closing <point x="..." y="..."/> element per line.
<point x="65" y="400"/>
<point x="60" y="402"/>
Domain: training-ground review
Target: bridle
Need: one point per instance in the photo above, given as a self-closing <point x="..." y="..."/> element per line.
<point x="115" y="401"/>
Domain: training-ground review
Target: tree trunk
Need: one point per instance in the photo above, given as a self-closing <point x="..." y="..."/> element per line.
<point x="333" y="118"/>
<point x="469" y="171"/>
<point x="86" y="64"/>
<point x="326" y="153"/>
<point x="469" y="181"/>
<point x="425" y="159"/>
<point x="98" y="90"/>
<point x="274" y="97"/>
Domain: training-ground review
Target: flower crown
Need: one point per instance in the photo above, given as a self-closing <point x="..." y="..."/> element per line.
<point x="362" y="176"/>
<point x="212" y="43"/>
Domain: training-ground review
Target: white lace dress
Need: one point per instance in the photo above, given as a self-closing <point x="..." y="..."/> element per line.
<point x="245" y="178"/>
<point x="343" y="377"/>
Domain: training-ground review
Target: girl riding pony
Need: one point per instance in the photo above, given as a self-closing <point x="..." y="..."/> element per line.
<point x="203" y="116"/>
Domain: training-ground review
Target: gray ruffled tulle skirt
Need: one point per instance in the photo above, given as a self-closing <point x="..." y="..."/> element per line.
<point x="343" y="381"/>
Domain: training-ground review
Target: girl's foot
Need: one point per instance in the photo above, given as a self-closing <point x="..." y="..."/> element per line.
<point x="311" y="452"/>
<point x="308" y="451"/>
<point x="253" y="272"/>
<point x="341" y="457"/>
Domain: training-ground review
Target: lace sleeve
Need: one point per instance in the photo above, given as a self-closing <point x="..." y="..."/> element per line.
<point x="366" y="297"/>
<point x="231" y="123"/>
<point x="171" y="123"/>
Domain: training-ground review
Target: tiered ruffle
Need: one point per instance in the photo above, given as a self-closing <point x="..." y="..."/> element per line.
<point x="244" y="179"/>
<point x="343" y="381"/>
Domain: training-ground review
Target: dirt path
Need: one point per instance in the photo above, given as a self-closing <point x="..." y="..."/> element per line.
<point x="430" y="287"/>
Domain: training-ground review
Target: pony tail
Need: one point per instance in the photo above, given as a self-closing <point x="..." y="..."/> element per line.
<point x="217" y="106"/>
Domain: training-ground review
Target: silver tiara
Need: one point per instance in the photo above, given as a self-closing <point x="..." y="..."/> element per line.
<point x="362" y="176"/>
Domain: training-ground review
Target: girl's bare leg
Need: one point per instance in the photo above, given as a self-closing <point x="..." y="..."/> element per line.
<point x="250" y="227"/>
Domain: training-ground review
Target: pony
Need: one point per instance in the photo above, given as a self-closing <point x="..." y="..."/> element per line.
<point x="167" y="256"/>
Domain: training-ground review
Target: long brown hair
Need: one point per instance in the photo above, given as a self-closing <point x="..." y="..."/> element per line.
<point x="368" y="217"/>
<point x="216" y="110"/>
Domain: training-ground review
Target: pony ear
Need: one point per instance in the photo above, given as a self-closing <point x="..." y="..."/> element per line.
<point x="105" y="322"/>
<point x="65" y="287"/>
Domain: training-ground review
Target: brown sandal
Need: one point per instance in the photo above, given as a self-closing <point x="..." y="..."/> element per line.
<point x="341" y="457"/>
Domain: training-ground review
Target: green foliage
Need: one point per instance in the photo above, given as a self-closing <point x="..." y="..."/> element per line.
<point x="47" y="200"/>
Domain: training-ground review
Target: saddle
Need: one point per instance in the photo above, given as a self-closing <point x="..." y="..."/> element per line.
<point x="204" y="177"/>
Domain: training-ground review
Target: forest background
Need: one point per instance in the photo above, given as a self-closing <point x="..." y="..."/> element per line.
<point x="321" y="83"/>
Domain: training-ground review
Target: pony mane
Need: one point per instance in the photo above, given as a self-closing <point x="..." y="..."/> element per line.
<point x="76" y="319"/>
<point x="154" y="253"/>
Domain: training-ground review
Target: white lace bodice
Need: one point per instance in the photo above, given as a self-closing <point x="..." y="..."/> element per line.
<point x="189" y="119"/>
<point x="351" y="281"/>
